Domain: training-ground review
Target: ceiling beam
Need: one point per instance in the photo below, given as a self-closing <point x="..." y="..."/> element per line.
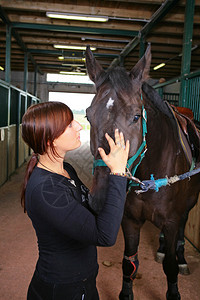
<point x="157" y="16"/>
<point x="122" y="11"/>
<point x="74" y="29"/>
<point x="17" y="37"/>
<point x="71" y="54"/>
<point x="118" y="11"/>
<point x="112" y="24"/>
<point x="139" y="1"/>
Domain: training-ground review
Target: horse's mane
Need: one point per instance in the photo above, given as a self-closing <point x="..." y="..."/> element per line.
<point x="156" y="100"/>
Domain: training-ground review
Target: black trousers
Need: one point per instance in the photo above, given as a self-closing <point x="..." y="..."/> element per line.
<point x="41" y="290"/>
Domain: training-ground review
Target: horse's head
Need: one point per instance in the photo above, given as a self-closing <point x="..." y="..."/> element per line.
<point x="117" y="104"/>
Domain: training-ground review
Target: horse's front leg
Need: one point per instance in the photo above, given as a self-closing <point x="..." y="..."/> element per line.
<point x="170" y="264"/>
<point x="130" y="263"/>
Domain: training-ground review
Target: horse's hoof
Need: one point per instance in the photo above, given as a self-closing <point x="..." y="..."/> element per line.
<point x="173" y="297"/>
<point x="183" y="269"/>
<point x="160" y="257"/>
<point x="126" y="297"/>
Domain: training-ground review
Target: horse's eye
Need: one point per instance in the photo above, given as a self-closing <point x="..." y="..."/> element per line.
<point x="136" y="118"/>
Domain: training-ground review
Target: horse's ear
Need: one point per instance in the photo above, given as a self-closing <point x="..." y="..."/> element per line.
<point x="93" y="67"/>
<point x="141" y="69"/>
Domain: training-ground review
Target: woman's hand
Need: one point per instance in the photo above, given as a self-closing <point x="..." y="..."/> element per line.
<point x="116" y="160"/>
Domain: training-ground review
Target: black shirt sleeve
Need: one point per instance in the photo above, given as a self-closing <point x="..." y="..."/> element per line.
<point x="53" y="202"/>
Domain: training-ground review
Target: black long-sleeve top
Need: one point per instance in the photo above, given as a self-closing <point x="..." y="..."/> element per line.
<point x="67" y="231"/>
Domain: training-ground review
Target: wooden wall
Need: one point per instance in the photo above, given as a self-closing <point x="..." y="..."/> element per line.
<point x="192" y="230"/>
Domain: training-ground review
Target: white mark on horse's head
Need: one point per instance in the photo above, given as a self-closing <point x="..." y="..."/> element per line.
<point x="110" y="103"/>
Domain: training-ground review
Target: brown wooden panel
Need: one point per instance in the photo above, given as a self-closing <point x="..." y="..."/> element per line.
<point x="192" y="230"/>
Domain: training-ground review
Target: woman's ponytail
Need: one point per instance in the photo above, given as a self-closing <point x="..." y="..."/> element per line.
<point x="29" y="169"/>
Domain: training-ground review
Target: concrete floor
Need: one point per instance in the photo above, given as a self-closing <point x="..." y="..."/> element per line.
<point x="18" y="250"/>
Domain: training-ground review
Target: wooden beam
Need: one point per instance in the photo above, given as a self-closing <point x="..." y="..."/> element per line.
<point x="133" y="10"/>
<point x="112" y="24"/>
<point x="38" y="6"/>
<point x="15" y="34"/>
<point x="64" y="41"/>
<point x="168" y="40"/>
<point x="140" y="1"/>
<point x="156" y="17"/>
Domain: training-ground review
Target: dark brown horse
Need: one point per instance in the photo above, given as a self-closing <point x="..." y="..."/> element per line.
<point x="123" y="100"/>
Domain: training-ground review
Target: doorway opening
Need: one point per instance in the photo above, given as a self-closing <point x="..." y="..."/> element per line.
<point x="78" y="102"/>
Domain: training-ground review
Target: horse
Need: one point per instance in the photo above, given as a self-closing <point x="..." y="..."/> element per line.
<point x="124" y="100"/>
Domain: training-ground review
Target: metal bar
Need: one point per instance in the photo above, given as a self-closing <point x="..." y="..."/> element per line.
<point x="25" y="109"/>
<point x="176" y="79"/>
<point x="158" y="85"/>
<point x="72" y="54"/>
<point x="51" y="66"/>
<point x="8" y="137"/>
<point x="75" y="29"/>
<point x="198" y="100"/>
<point x="115" y="62"/>
<point x="142" y="47"/>
<point x="196" y="97"/>
<point x="130" y="46"/>
<point x="187" y="46"/>
<point x="17" y="37"/>
<point x="18" y="130"/>
<point x="8" y="53"/>
<point x="157" y="17"/>
<point x="57" y="52"/>
<point x="188" y="95"/>
<point x="35" y="82"/>
<point x="193" y="74"/>
<point x="121" y="61"/>
<point x="25" y="70"/>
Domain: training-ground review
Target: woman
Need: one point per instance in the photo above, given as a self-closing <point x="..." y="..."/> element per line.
<point x="56" y="202"/>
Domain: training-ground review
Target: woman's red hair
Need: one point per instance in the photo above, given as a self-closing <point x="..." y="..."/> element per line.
<point x="41" y="125"/>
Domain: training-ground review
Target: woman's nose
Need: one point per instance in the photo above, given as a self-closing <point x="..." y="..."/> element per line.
<point x="78" y="126"/>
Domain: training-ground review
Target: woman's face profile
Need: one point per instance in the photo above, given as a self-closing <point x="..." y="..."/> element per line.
<point x="69" y="139"/>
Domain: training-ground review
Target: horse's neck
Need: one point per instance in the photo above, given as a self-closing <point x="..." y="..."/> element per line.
<point x="162" y="143"/>
<point x="159" y="126"/>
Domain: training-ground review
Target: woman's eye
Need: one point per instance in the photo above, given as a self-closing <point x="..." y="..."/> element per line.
<point x="70" y="125"/>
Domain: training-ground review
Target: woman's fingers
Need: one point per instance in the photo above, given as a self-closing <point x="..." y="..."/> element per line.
<point x="116" y="160"/>
<point x="117" y="138"/>
<point x="110" y="141"/>
<point x="102" y="153"/>
<point x="122" y="140"/>
<point x="127" y="147"/>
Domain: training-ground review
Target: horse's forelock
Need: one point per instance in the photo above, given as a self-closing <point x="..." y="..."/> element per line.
<point x="118" y="78"/>
<point x="120" y="81"/>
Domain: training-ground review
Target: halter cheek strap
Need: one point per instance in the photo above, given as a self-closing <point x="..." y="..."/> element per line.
<point x="140" y="152"/>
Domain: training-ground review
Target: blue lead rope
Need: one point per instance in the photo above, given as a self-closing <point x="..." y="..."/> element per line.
<point x="156" y="184"/>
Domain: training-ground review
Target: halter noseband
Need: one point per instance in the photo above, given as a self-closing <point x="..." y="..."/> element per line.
<point x="140" y="152"/>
